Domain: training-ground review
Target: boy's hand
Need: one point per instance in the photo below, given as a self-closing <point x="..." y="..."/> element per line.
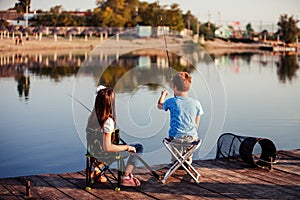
<point x="161" y="100"/>
<point x="164" y="92"/>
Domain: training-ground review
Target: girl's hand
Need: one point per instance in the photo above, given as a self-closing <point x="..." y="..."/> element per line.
<point x="131" y="149"/>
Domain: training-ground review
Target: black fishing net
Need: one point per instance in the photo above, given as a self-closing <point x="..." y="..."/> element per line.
<point x="259" y="152"/>
<point x="228" y="145"/>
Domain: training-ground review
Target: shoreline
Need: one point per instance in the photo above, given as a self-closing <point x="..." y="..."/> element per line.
<point x="48" y="44"/>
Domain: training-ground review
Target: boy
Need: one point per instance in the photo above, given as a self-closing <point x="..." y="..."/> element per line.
<point x="184" y="111"/>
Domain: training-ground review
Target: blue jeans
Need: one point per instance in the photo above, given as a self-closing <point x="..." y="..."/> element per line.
<point x="132" y="160"/>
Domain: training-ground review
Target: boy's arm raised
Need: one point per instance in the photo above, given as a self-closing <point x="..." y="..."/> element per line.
<point x="161" y="100"/>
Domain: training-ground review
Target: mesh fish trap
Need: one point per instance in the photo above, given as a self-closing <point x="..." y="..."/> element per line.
<point x="259" y="152"/>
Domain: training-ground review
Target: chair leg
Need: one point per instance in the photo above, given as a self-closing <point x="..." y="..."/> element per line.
<point x="88" y="173"/>
<point x="181" y="160"/>
<point x="119" y="175"/>
<point x="170" y="171"/>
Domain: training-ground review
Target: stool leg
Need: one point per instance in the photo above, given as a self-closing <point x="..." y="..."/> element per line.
<point x="181" y="158"/>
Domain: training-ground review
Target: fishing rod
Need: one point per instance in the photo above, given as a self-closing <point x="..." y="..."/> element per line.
<point x="78" y="101"/>
<point x="165" y="40"/>
<point x="135" y="154"/>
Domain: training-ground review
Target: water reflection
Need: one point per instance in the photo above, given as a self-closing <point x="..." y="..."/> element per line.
<point x="23" y="86"/>
<point x="56" y="66"/>
<point x="139" y="68"/>
<point x="287" y="67"/>
<point x="53" y="65"/>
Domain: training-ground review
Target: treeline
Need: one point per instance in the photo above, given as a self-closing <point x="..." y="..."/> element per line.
<point x="129" y="13"/>
<point x="120" y="13"/>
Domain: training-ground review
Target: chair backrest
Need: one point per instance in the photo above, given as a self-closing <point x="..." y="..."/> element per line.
<point x="95" y="148"/>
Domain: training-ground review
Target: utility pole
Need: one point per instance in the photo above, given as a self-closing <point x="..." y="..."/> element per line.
<point x="26" y="23"/>
<point x="219" y="18"/>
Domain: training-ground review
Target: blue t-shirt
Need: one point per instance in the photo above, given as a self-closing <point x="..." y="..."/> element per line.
<point x="183" y="112"/>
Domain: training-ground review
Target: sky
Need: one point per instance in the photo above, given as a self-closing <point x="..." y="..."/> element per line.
<point x="217" y="11"/>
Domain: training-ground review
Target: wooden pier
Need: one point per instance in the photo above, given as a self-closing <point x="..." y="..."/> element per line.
<point x="221" y="179"/>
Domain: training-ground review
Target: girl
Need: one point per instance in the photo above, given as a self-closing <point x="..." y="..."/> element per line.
<point x="103" y="117"/>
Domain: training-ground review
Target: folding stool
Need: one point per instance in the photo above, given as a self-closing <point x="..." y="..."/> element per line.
<point x="181" y="157"/>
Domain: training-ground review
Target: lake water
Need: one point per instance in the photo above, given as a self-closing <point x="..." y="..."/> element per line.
<point x="42" y="126"/>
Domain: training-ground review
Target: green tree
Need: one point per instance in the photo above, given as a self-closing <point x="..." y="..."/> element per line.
<point x="63" y="19"/>
<point x="208" y="30"/>
<point x="174" y="18"/>
<point x="131" y="13"/>
<point x="112" y="13"/>
<point x="288" y="28"/>
<point x="56" y="9"/>
<point x="151" y="14"/>
<point x="110" y="19"/>
<point x="249" y="30"/>
<point x="20" y="6"/>
<point x="191" y="22"/>
<point x="96" y="17"/>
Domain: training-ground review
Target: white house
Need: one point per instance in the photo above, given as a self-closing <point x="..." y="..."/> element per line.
<point x="223" y="32"/>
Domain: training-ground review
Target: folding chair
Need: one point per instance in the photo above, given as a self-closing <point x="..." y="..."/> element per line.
<point x="181" y="152"/>
<point x="99" y="160"/>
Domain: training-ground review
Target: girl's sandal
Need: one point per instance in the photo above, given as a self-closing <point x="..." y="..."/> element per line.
<point x="131" y="182"/>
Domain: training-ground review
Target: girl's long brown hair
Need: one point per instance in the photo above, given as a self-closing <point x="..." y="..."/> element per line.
<point x="104" y="103"/>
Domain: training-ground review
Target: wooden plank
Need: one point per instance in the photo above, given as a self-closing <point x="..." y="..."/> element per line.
<point x="246" y="182"/>
<point x="293" y="153"/>
<point x="14" y="187"/>
<point x="105" y="191"/>
<point x="288" y="163"/>
<point x="286" y="182"/>
<point x="5" y="194"/>
<point x="177" y="189"/>
<point x="65" y="186"/>
<point x="221" y="179"/>
<point x="79" y="180"/>
<point x="273" y="176"/>
<point x="156" y="189"/>
<point x="180" y="179"/>
<point x="40" y="189"/>
<point x="33" y="193"/>
<point x="223" y="184"/>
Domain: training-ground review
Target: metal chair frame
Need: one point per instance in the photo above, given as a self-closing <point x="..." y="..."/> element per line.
<point x="181" y="158"/>
<point x="92" y="162"/>
<point x="105" y="159"/>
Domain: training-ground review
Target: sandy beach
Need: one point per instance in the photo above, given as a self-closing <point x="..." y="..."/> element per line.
<point x="48" y="44"/>
<point x="221" y="47"/>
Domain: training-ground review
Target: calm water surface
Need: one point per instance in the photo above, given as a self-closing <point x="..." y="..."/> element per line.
<point x="42" y="128"/>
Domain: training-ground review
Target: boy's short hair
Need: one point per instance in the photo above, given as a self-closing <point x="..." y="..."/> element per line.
<point x="182" y="81"/>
